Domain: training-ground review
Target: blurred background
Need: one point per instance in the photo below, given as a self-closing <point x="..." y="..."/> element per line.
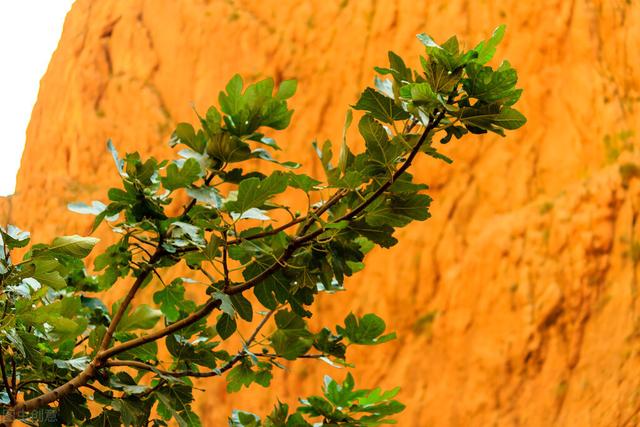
<point x="515" y="305"/>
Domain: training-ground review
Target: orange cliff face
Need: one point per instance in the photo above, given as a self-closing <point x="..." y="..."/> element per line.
<point x="515" y="305"/>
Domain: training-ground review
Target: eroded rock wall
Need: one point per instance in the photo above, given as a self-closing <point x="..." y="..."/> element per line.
<point x="515" y="305"/>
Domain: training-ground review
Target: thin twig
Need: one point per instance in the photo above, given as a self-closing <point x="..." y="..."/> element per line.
<point x="141" y="240"/>
<point x="304" y="356"/>
<point x="27" y="382"/>
<point x="81" y="340"/>
<point x="142" y="248"/>
<point x="263" y="322"/>
<point x="206" y="273"/>
<point x="314" y="213"/>
<point x="176" y="374"/>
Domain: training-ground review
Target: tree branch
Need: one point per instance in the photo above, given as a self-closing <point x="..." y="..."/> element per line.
<point x="144" y="273"/>
<point x="104" y="354"/>
<point x="268" y="232"/>
<point x="196" y="374"/>
<point x="5" y="379"/>
<point x="176" y="374"/>
<point x="302" y="240"/>
<point x="313" y="214"/>
<point x="203" y="312"/>
<point x="407" y="163"/>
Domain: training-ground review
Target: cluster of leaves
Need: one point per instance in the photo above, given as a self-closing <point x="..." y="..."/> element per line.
<point x="340" y="405"/>
<point x="252" y="257"/>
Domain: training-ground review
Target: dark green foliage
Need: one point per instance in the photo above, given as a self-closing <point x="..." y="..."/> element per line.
<point x="340" y="405"/>
<point x="252" y="258"/>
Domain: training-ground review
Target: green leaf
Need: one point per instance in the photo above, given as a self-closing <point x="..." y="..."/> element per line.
<point x="346" y="157"/>
<point x="256" y="107"/>
<point x="329" y="344"/>
<point x="397" y="68"/>
<point x="326" y="154"/>
<point x="180" y="177"/>
<point x="379" y="148"/>
<point x="510" y="119"/>
<point x="32" y="351"/>
<point x="13" y="237"/>
<point x="133" y="410"/>
<point x="381" y="235"/>
<point x="292" y="339"/>
<point x="77" y="364"/>
<point x="226" y="326"/>
<point x="53" y="279"/>
<point x="228" y="148"/>
<point x="291" y="343"/>
<point x="72" y="408"/>
<point x="244" y="419"/>
<point x="61" y="316"/>
<point x="207" y="195"/>
<point x="264" y="292"/>
<point x="265" y="140"/>
<point x="185" y="134"/>
<point x="75" y="246"/>
<point x="429" y="150"/>
<point x="420" y="94"/>
<point x="398" y="210"/>
<point x="171" y="301"/>
<point x="241" y="375"/>
<point x="285" y="319"/>
<point x="225" y="303"/>
<point x="242" y="306"/>
<point x="142" y="317"/>
<point x="177" y="400"/>
<point x="302" y="182"/>
<point x="426" y="40"/>
<point x="253" y="192"/>
<point x="107" y="418"/>
<point x="183" y="234"/>
<point x="116" y="158"/>
<point x="147" y="352"/>
<point x="381" y="107"/>
<point x="260" y="153"/>
<point x="486" y="49"/>
<point x="492" y="86"/>
<point x="457" y="131"/>
<point x="439" y="78"/>
<point x="232" y="101"/>
<point x="492" y="117"/>
<point x="211" y="122"/>
<point x="121" y="196"/>
<point x="447" y="56"/>
<point x="367" y="330"/>
<point x="287" y="89"/>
